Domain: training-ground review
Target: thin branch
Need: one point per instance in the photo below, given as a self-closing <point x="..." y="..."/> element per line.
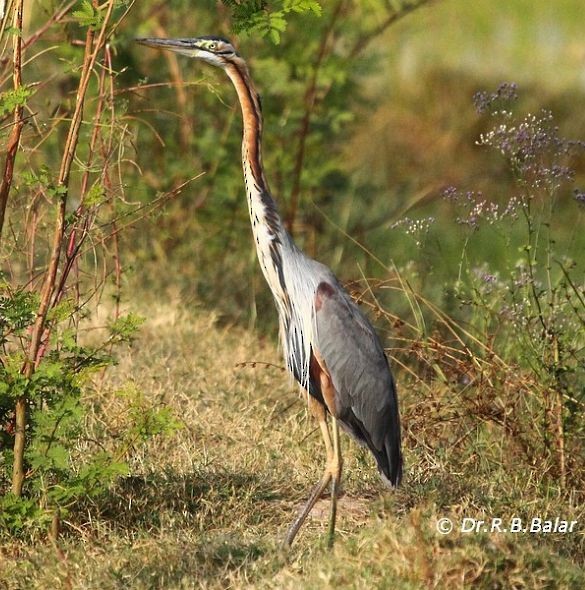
<point x="75" y="242"/>
<point x="20" y="407"/>
<point x="57" y="17"/>
<point x="310" y="103"/>
<point x="14" y="139"/>
<point x="393" y="17"/>
<point x="107" y="149"/>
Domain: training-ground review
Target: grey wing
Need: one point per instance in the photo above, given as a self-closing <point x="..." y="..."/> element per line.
<point x="365" y="395"/>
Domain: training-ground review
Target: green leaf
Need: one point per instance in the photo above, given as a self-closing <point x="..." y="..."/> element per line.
<point x="68" y="339"/>
<point x="98" y="474"/>
<point x="11" y="99"/>
<point x="57" y="191"/>
<point x="88" y="16"/>
<point x="48" y="371"/>
<point x="95" y="196"/>
<point x="18" y="310"/>
<point x="16" y="513"/>
<point x="244" y="13"/>
<point x="13" y="31"/>
<point x="59" y="456"/>
<point x="125" y="327"/>
<point x="270" y="25"/>
<point x="302" y="6"/>
<point x="277" y="22"/>
<point x="62" y="311"/>
<point x="274" y="36"/>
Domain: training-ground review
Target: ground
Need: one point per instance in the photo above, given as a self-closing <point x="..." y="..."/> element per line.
<point x="207" y="506"/>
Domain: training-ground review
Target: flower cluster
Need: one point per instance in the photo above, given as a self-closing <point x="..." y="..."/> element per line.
<point x="521" y="277"/>
<point x="515" y="314"/>
<point x="533" y="147"/>
<point x="476" y="208"/>
<point x="486" y="101"/>
<point x="486" y="282"/>
<point x="417" y="228"/>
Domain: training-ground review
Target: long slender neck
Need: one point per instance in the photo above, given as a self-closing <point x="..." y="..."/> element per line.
<point x="274" y="246"/>
<point x="267" y="226"/>
<point x="252" y="116"/>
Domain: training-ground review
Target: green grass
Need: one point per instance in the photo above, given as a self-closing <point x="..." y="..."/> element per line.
<point x="207" y="506"/>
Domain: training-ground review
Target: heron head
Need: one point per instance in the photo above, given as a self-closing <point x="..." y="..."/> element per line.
<point x="215" y="51"/>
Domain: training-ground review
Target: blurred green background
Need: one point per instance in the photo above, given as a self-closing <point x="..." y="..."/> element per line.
<point x="391" y="128"/>
<point x="391" y="124"/>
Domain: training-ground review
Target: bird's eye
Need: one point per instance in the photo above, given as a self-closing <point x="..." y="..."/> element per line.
<point x="212" y="46"/>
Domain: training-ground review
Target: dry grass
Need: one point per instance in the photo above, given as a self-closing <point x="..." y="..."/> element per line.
<point x="206" y="506"/>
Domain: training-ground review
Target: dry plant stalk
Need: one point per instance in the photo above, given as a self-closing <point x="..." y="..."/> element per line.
<point x="558" y="429"/>
<point x="455" y="357"/>
<point x="94" y="44"/>
<point x="14" y="139"/>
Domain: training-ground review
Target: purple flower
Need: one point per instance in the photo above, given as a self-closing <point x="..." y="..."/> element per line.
<point x="505" y="92"/>
<point x="450" y="194"/>
<point x="579" y="196"/>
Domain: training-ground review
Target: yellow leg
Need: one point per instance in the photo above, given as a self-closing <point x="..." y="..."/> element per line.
<point x="334" y="467"/>
<point x="318" y="411"/>
<point x="330" y="450"/>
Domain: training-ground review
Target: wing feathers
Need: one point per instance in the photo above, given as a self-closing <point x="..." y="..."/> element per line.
<point x="366" y="400"/>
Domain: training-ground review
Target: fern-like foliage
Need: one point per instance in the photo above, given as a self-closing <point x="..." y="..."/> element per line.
<point x="268" y="19"/>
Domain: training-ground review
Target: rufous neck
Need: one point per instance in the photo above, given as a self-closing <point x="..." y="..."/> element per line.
<point x="252" y="119"/>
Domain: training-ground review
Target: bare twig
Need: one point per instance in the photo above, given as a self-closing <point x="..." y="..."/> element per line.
<point x="361" y="44"/>
<point x="14" y="138"/>
<point x="303" y="131"/>
<point x="58" y="16"/>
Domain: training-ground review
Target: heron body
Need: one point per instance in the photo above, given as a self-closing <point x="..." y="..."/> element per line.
<point x="330" y="347"/>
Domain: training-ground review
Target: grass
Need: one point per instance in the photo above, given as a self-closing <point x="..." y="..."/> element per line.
<point x="207" y="505"/>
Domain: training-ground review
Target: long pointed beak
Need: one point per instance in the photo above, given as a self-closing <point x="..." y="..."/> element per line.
<point x="178" y="45"/>
<point x="194" y="48"/>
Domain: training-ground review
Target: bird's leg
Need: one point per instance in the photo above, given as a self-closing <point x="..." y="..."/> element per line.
<point x="318" y="410"/>
<point x="334" y="466"/>
<point x="329" y="448"/>
<point x="300" y="519"/>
